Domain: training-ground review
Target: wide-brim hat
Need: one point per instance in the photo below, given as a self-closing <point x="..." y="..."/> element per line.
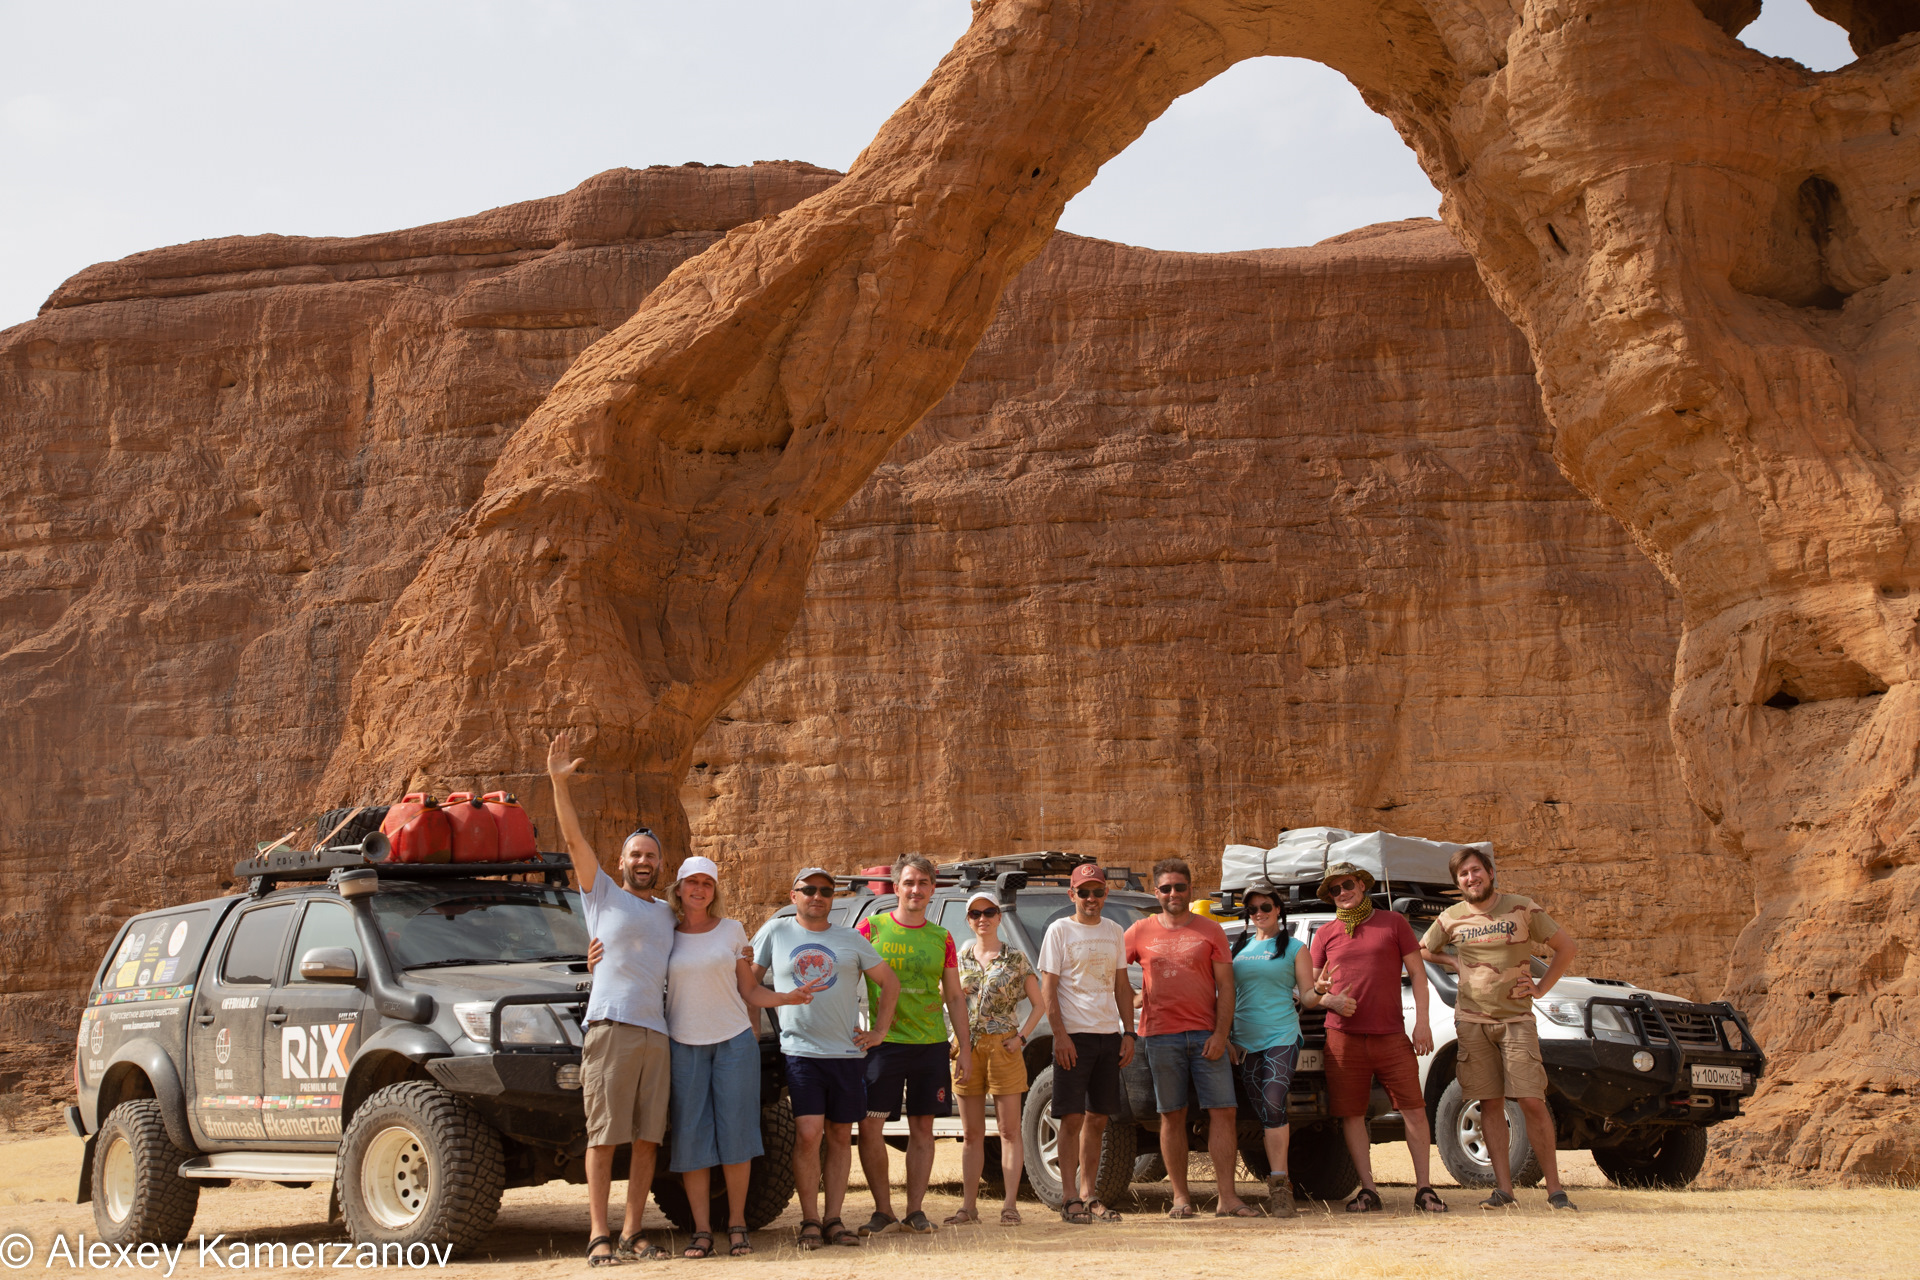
<point x="1340" y="871"/>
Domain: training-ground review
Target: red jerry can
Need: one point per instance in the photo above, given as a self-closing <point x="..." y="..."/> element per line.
<point x="476" y="833"/>
<point x="517" y="841"/>
<point x="882" y="885"/>
<point x="423" y="833"/>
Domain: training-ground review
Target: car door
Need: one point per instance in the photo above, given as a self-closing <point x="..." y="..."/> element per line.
<point x="312" y="1030"/>
<point x="229" y="1013"/>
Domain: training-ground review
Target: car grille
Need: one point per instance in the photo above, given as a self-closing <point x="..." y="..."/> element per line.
<point x="1313" y="1027"/>
<point x="1690" y="1029"/>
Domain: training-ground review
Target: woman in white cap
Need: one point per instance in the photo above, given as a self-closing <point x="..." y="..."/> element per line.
<point x="995" y="977"/>
<point x="715" y="1103"/>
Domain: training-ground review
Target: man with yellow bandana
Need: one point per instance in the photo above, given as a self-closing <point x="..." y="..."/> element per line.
<point x="913" y="1059"/>
<point x="1491" y="936"/>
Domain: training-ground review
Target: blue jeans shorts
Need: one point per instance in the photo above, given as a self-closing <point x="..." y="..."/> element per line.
<point x="715" y="1103"/>
<point x="1174" y="1059"/>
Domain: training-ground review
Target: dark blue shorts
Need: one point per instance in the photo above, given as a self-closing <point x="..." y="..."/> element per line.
<point x="832" y="1087"/>
<point x="921" y="1071"/>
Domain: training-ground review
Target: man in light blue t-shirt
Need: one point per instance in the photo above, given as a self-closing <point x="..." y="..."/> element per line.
<point x="823" y="1043"/>
<point x="626" y="1065"/>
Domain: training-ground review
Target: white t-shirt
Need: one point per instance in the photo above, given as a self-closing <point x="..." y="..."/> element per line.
<point x="704" y="1005"/>
<point x="1086" y="957"/>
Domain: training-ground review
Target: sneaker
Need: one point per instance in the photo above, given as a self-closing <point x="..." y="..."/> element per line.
<point x="879" y="1225"/>
<point x="1558" y="1200"/>
<point x="1501" y="1200"/>
<point x="1280" y="1197"/>
<point x="916" y="1222"/>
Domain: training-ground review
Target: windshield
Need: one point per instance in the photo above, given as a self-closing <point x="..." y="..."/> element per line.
<point x="1037" y="911"/>
<point x="491" y="926"/>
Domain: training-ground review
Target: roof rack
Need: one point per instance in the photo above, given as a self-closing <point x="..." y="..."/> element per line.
<point x="1042" y="867"/>
<point x="263" y="872"/>
<point x="1406" y="895"/>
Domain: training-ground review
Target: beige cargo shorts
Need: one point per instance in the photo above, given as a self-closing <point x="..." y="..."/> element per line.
<point x="625" y="1074"/>
<point x="1499" y="1060"/>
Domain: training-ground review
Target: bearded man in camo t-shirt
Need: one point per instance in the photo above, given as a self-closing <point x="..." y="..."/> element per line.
<point x="1491" y="936"/>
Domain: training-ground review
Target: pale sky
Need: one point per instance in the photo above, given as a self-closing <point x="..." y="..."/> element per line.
<point x="127" y="126"/>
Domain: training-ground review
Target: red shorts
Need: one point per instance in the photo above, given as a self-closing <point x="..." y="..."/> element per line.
<point x="1354" y="1060"/>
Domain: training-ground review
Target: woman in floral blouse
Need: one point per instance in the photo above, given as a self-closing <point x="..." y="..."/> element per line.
<point x="996" y="978"/>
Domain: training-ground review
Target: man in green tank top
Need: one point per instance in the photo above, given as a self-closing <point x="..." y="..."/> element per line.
<point x="913" y="1059"/>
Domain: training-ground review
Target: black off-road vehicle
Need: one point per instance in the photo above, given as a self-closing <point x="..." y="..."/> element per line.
<point x="411" y="1033"/>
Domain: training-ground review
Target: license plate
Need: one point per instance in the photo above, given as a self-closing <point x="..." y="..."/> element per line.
<point x="1718" y="1077"/>
<point x="1316" y="1060"/>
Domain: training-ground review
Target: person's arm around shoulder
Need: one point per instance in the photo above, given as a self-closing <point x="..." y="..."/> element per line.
<point x="1123" y="1001"/>
<point x="1417" y="973"/>
<point x="560" y="767"/>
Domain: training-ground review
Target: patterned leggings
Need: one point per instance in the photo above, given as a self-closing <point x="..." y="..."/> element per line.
<point x="1268" y="1076"/>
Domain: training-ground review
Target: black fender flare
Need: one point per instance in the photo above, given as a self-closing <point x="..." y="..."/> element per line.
<point x="151" y="1060"/>
<point x="373" y="1066"/>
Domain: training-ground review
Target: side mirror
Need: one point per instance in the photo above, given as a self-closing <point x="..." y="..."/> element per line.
<point x="330" y="964"/>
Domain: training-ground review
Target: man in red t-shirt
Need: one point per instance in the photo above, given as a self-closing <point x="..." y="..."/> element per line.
<point x="1185" y="1019"/>
<point x="1357" y="962"/>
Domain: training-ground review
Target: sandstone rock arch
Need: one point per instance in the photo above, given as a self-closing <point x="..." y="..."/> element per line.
<point x="1708" y="250"/>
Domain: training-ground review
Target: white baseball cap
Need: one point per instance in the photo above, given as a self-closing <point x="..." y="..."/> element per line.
<point x="697" y="866"/>
<point x="983" y="896"/>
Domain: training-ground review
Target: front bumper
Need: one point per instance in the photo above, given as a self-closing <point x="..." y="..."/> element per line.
<point x="521" y="1094"/>
<point x="1647" y="1073"/>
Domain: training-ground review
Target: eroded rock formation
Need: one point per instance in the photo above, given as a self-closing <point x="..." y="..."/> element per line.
<point x="1708" y="251"/>
<point x="1203" y="546"/>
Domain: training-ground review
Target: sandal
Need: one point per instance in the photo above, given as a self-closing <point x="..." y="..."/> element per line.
<point x="1558" y="1200"/>
<point x="1009" y="1217"/>
<point x="879" y="1224"/>
<point x="837" y="1232"/>
<point x="611" y="1258"/>
<point x="1498" y="1200"/>
<point x="1244" y="1211"/>
<point x="1427" y="1200"/>
<point x="647" y="1252"/>
<point x="1367" y="1201"/>
<point x="1180" y="1211"/>
<point x="701" y="1245"/>
<point x="961" y="1218"/>
<point x="1100" y="1213"/>
<point x="738" y="1244"/>
<point x="1078" y="1217"/>
<point x="813" y="1241"/>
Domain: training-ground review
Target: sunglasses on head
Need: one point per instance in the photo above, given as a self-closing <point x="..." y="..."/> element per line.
<point x="814" y="890"/>
<point x="1091" y="891"/>
<point x="1177" y="887"/>
<point x="985" y="913"/>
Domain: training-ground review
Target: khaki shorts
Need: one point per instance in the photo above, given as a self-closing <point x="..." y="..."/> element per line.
<point x="625" y="1073"/>
<point x="997" y="1069"/>
<point x="1499" y="1060"/>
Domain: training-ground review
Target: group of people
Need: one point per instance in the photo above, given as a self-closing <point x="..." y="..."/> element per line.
<point x="671" y="1034"/>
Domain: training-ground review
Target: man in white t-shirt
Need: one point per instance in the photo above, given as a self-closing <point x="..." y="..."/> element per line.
<point x="1083" y="980"/>
<point x="626" y="1065"/>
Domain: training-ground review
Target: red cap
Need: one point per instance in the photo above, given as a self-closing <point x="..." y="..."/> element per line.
<point x="1084" y="872"/>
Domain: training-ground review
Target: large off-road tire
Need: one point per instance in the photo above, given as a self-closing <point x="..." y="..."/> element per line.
<point x="1040" y="1133"/>
<point x="769" y="1180"/>
<point x="1150" y="1166"/>
<point x="1668" y="1158"/>
<point x="1321" y="1166"/>
<point x="139" y="1196"/>
<point x="419" y="1166"/>
<point x="1463" y="1142"/>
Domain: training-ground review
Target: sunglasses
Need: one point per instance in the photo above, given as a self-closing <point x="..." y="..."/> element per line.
<point x="987" y="913"/>
<point x="1164" y="889"/>
<point x="1261" y="908"/>
<point x="1090" y="891"/>
<point x="1345" y="885"/>
<point x="814" y="890"/>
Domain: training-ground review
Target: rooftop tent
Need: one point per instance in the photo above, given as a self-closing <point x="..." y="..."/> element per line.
<point x="1303" y="855"/>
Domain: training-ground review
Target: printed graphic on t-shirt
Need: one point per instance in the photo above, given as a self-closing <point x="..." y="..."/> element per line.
<point x="1492" y="947"/>
<point x="812" y="962"/>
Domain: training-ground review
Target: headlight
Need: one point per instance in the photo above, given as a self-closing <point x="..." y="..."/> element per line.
<point x="519" y="1023"/>
<point x="1568" y="1013"/>
<point x="1643" y="1061"/>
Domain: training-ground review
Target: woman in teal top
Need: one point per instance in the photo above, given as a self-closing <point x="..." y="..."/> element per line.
<point x="1270" y="970"/>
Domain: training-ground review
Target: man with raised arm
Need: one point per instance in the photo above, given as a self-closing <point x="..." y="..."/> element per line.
<point x="825" y="1048"/>
<point x="1083" y="980"/>
<point x="1490" y="936"/>
<point x="626" y="1063"/>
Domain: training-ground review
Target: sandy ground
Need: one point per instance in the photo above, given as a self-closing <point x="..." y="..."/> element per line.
<point x="1618" y="1235"/>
